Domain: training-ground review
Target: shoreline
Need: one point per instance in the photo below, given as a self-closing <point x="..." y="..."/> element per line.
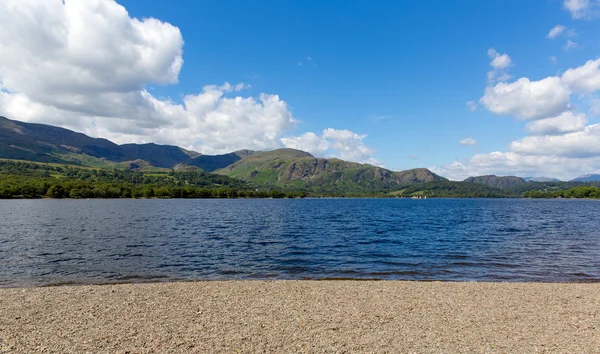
<point x="302" y="316"/>
<point x="316" y="280"/>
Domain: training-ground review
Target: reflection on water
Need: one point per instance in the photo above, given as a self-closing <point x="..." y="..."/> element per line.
<point x="103" y="241"/>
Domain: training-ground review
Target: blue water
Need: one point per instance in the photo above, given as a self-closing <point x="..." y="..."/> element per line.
<point x="44" y="242"/>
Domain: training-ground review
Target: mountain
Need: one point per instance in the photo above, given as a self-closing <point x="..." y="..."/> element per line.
<point x="211" y="163"/>
<point x="587" y="178"/>
<point x="501" y="182"/>
<point x="540" y="179"/>
<point x="283" y="168"/>
<point x="46" y="143"/>
<point x="289" y="168"/>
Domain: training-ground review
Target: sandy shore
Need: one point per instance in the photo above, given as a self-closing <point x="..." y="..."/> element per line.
<point x="303" y="316"/>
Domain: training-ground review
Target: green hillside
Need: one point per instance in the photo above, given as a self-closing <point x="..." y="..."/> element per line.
<point x="294" y="169"/>
<point x="501" y="182"/>
<point x="46" y="143"/>
<point x="184" y="173"/>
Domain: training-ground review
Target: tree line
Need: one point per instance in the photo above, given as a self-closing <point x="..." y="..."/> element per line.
<point x="589" y="192"/>
<point x="31" y="180"/>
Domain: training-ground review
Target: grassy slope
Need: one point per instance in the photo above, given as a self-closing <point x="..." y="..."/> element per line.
<point x="293" y="169"/>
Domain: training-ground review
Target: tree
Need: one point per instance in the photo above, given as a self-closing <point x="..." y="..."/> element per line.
<point x="56" y="191"/>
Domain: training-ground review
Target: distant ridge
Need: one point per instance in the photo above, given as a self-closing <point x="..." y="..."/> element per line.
<point x="587" y="178"/>
<point x="46" y="143"/>
<point x="281" y="168"/>
<point x="294" y="168"/>
<point x="501" y="182"/>
<point x="540" y="179"/>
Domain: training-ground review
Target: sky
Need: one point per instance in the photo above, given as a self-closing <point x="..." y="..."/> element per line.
<point x="463" y="87"/>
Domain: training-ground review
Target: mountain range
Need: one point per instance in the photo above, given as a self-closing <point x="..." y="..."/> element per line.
<point x="281" y="168"/>
<point x="588" y="178"/>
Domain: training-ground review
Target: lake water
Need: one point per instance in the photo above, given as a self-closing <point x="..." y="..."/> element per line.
<point x="44" y="242"/>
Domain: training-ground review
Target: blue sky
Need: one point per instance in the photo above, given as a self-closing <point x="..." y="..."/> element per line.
<point x="412" y="63"/>
<point x="399" y="72"/>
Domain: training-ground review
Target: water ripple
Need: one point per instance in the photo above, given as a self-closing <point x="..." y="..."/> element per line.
<point x="49" y="242"/>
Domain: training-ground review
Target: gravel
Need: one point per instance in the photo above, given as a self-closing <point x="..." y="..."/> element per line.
<point x="302" y="316"/>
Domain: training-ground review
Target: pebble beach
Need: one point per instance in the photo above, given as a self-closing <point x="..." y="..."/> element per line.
<point x="302" y="316"/>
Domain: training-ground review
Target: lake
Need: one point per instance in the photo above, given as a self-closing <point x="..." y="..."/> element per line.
<point x="48" y="242"/>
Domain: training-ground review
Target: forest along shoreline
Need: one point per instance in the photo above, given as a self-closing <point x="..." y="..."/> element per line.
<point x="32" y="180"/>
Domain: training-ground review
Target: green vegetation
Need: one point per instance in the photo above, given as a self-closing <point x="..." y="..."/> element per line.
<point x="46" y="143"/>
<point x="449" y="189"/>
<point x="589" y="192"/>
<point x="36" y="180"/>
<point x="47" y="161"/>
<point x="21" y="179"/>
<point x="501" y="182"/>
<point x="298" y="170"/>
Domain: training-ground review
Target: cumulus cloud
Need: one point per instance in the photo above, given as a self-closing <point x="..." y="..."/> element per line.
<point x="472" y="106"/>
<point x="556" y="31"/>
<point x="87" y="65"/>
<point x="565" y="156"/>
<point x="582" y="9"/>
<point x="584" y="79"/>
<point x="343" y="144"/>
<point x="350" y="146"/>
<point x="310" y="142"/>
<point x="584" y="143"/>
<point x="468" y="142"/>
<point x="560" y="144"/>
<point x="527" y="99"/>
<point x="64" y="55"/>
<point x="567" y="122"/>
<point x="514" y="164"/>
<point x="499" y="63"/>
<point x="222" y="124"/>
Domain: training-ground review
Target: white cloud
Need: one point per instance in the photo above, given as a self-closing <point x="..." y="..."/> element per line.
<point x="309" y="142"/>
<point x="584" y="143"/>
<point x="472" y="106"/>
<point x="56" y="54"/>
<point x="514" y="164"/>
<point x="468" y="142"/>
<point x="570" y="45"/>
<point x="221" y="124"/>
<point x="560" y="145"/>
<point x="584" y="79"/>
<point x="343" y="144"/>
<point x="595" y="106"/>
<point x="86" y="65"/>
<point x="499" y="63"/>
<point x="564" y="123"/>
<point x="581" y="9"/>
<point x="556" y="31"/>
<point x="526" y="99"/>
<point x="563" y="156"/>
